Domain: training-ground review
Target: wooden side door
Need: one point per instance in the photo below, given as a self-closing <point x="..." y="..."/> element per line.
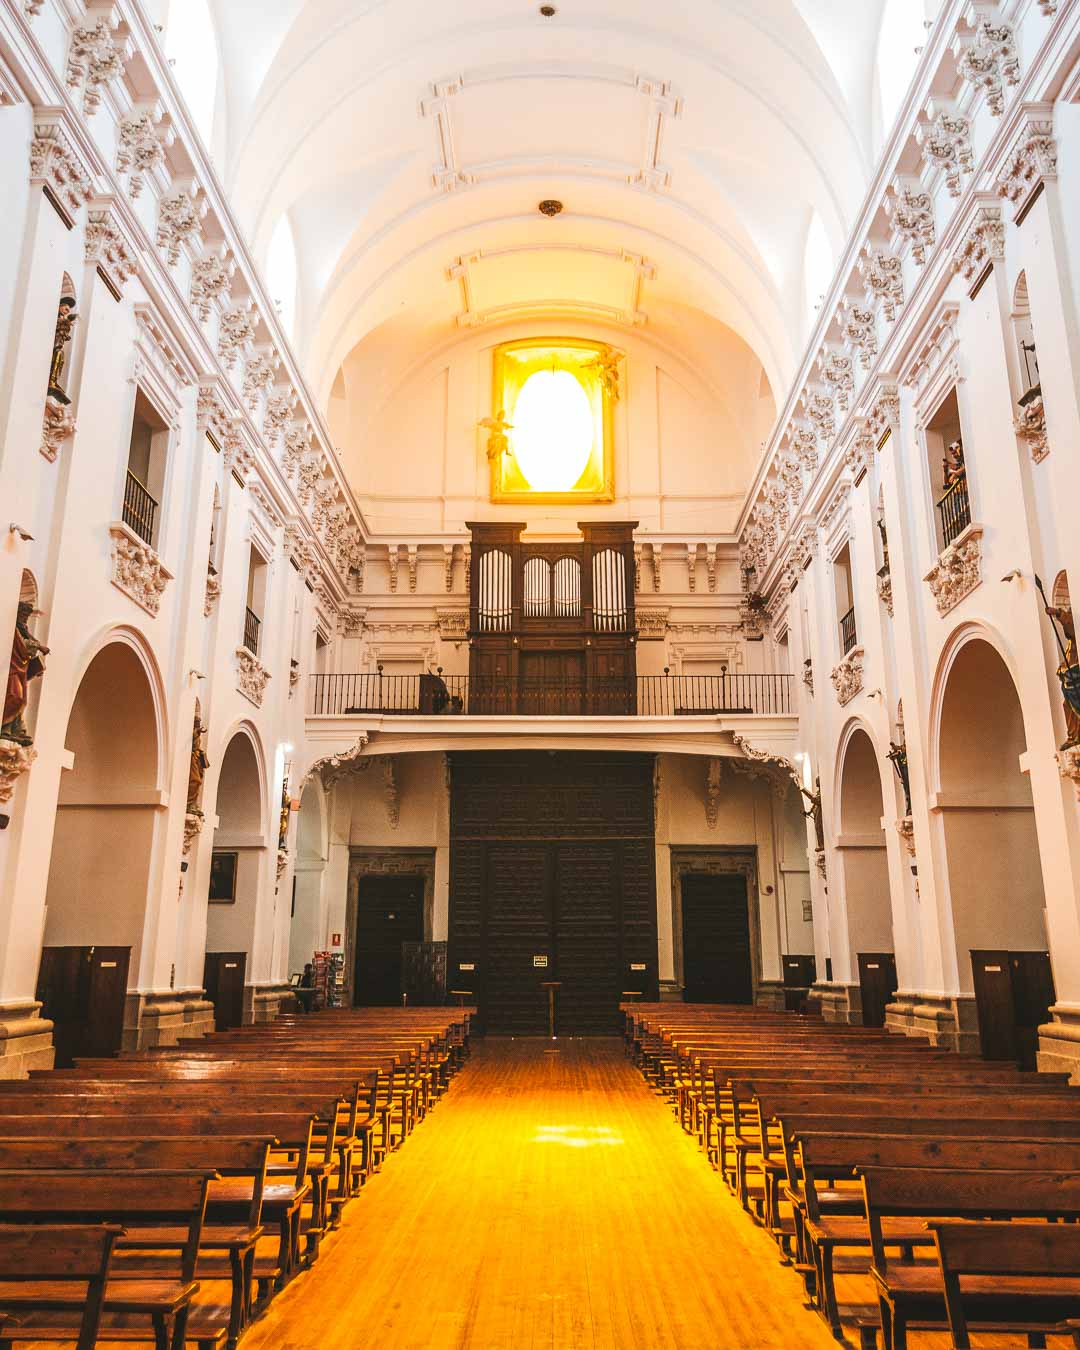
<point x="1033" y="997"/>
<point x="716" y="938"/>
<point x="83" y="991"/>
<point x="588" y="889"/>
<point x="223" y="982"/>
<point x="390" y="912"/>
<point x="517" y="933"/>
<point x="991" y="973"/>
<point x="877" y="982"/>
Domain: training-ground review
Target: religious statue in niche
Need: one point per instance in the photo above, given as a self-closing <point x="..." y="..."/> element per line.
<point x="65" y="324"/>
<point x="898" y="755"/>
<point x="26" y="665"/>
<point x="1068" y="672"/>
<point x="814" y="813"/>
<point x="197" y="771"/>
<point x="498" y="428"/>
<point x="606" y="365"/>
<point x="953" y="468"/>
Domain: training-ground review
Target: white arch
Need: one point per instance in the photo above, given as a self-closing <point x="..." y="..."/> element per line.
<point x="244" y="727"/>
<point x="131" y="637"/>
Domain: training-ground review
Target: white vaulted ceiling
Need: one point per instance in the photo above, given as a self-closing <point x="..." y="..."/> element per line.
<point x="409" y="142"/>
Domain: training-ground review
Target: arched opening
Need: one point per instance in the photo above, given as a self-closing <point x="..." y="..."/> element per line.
<point x="900" y="41"/>
<point x="307" y="934"/>
<point x="236" y="866"/>
<point x="192" y="47"/>
<point x="102" y="856"/>
<point x="282" y="274"/>
<point x="992" y="853"/>
<point x="818" y="265"/>
<point x="865" y="876"/>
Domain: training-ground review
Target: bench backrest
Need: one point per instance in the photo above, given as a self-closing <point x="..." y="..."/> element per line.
<point x="61" y="1253"/>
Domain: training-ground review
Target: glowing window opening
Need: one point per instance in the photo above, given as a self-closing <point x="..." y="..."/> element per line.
<point x="553" y="430"/>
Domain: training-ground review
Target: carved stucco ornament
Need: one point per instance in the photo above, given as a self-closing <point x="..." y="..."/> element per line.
<point x="957" y="571"/>
<point x="1031" y="427"/>
<point x="137" y="569"/>
<point x="252" y="677"/>
<point x="15" y="760"/>
<point x="847" y="676"/>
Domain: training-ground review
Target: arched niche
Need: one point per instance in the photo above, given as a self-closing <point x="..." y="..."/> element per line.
<point x="240" y="843"/>
<point x="108" y="809"/>
<point x="307" y="930"/>
<point x="991" y="841"/>
<point x="861" y="847"/>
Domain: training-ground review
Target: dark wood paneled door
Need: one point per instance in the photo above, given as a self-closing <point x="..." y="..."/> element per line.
<point x="223" y="982"/>
<point x="82" y="991"/>
<point x="877" y="984"/>
<point x="390" y="912"/>
<point x="588" y="888"/>
<point x="1014" y="992"/>
<point x="518" y="939"/>
<point x="716" y="938"/>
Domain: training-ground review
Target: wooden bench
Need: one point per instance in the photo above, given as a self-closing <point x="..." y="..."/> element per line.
<point x="131" y="1307"/>
<point x="47" y="1260"/>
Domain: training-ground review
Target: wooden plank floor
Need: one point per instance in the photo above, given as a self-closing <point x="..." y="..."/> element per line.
<point x="549" y="1203"/>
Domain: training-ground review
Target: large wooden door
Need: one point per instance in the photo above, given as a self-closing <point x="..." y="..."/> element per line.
<point x="390" y="912"/>
<point x="716" y="938"/>
<point x="552" y="877"/>
<point x="82" y="991"/>
<point x="223" y="982"/>
<point x="877" y="983"/>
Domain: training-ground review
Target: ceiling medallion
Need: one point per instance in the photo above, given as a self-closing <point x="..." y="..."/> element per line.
<point x="550" y="207"/>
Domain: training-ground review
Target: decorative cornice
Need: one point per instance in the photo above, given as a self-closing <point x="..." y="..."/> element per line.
<point x="983" y="242"/>
<point x="55" y="161"/>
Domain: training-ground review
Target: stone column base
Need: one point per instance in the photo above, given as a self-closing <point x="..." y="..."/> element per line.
<point x="671" y="991"/>
<point x="156" y="1019"/>
<point x="770" y="994"/>
<point x="838" y="1002"/>
<point x="25" y="1040"/>
<point x="265" y="1002"/>
<point x="1059" y="1042"/>
<point x="947" y="1021"/>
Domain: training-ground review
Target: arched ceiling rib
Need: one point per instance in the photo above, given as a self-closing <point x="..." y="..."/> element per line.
<point x="410" y="144"/>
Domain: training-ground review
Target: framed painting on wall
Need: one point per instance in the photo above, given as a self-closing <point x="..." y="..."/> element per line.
<point x="223" y="863"/>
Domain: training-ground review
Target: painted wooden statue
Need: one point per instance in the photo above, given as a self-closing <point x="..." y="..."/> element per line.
<point x="197" y="771"/>
<point x="1068" y="672"/>
<point x="26" y="665"/>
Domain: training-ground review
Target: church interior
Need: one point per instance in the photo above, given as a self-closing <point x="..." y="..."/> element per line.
<point x="540" y="759"/>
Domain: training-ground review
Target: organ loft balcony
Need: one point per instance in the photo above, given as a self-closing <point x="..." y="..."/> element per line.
<point x="552" y="663"/>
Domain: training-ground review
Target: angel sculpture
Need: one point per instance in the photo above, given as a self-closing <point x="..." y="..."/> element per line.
<point x="498" y="439"/>
<point x="606" y="365"/>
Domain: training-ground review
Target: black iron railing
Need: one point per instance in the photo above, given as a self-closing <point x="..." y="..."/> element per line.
<point x="140" y="509"/>
<point x="848" y="636"/>
<point x="954" y="510"/>
<point x="464" y="696"/>
<point x="252" y="624"/>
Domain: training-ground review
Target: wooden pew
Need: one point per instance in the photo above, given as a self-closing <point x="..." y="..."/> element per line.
<point x="47" y="1260"/>
<point x="130" y="1199"/>
<point x="912" y="1294"/>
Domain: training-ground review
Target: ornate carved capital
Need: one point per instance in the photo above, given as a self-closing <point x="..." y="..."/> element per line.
<point x="236" y="330"/>
<point x="652" y="624"/>
<point x="96" y="57"/>
<point x="180" y="217"/>
<point x="211" y="280"/>
<point x="1031" y="161"/>
<point x="884" y="279"/>
<point x="1031" y="427"/>
<point x="58" y="425"/>
<point x="905" y="828"/>
<point x="946" y="144"/>
<point x="56" y="163"/>
<point x="990" y="62"/>
<point x="110" y="245"/>
<point x="983" y="243"/>
<point x="213" y="590"/>
<point x="1068" y="763"/>
<point x="885" y="593"/>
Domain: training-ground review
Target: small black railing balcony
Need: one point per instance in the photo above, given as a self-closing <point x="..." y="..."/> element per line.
<point x="140" y="509"/>
<point x="848" y="636"/>
<point x="252" y="624"/>
<point x="528" y="696"/>
<point x="954" y="510"/>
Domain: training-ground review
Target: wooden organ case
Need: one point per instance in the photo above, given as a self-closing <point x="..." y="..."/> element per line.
<point x="552" y="629"/>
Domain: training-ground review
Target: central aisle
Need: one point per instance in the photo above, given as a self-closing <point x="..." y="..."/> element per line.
<point x="550" y="1201"/>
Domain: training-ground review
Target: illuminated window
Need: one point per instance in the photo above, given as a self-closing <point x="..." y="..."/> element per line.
<point x="558" y="399"/>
